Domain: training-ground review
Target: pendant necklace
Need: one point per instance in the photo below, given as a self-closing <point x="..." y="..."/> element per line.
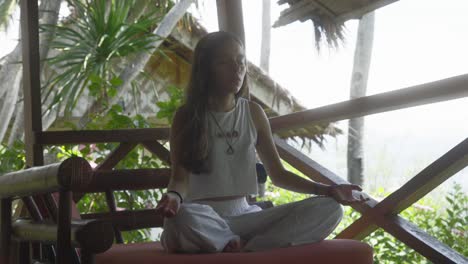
<point x="228" y="137"/>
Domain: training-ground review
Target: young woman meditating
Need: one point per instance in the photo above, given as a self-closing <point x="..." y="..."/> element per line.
<point x="214" y="139"/>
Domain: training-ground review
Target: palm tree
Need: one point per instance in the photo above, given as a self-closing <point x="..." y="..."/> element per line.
<point x="87" y="61"/>
<point x="266" y="36"/>
<point x="362" y="60"/>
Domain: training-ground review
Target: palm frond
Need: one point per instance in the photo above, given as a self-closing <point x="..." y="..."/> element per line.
<point x="90" y="43"/>
<point x="7" y="7"/>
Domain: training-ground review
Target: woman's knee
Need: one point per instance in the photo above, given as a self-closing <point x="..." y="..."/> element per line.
<point x="334" y="207"/>
<point x="327" y="205"/>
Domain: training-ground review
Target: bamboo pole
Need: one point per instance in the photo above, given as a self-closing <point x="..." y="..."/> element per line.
<point x="73" y="173"/>
<point x="95" y="236"/>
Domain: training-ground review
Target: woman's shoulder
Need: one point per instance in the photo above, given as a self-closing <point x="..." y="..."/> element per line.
<point x="255" y="108"/>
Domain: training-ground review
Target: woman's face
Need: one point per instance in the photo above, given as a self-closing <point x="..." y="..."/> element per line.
<point x="228" y="68"/>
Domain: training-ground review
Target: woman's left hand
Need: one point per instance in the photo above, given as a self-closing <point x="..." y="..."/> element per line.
<point x="343" y="194"/>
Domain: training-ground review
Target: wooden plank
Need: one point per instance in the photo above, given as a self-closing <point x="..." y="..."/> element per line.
<point x="438" y="91"/>
<point x="64" y="247"/>
<point x="416" y="188"/>
<point x="113" y="159"/>
<point x="315" y="171"/>
<point x="159" y="150"/>
<point x="31" y="81"/>
<point x="129" y="219"/>
<point x="230" y="17"/>
<point x="138" y="179"/>
<point x="101" y="136"/>
<point x="110" y="200"/>
<point x="5" y="230"/>
<point x="116" y="156"/>
<point x="24" y="253"/>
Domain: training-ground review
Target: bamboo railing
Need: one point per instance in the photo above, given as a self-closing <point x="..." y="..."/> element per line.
<point x="375" y="214"/>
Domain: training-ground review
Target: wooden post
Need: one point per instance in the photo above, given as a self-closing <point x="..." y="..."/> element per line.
<point x="64" y="228"/>
<point x="5" y="230"/>
<point x="24" y="252"/>
<point x="87" y="257"/>
<point x="230" y="17"/>
<point x="31" y="81"/>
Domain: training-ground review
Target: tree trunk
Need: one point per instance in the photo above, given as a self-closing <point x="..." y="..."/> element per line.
<point x="266" y="36"/>
<point x="360" y="73"/>
<point x="11" y="73"/>
<point x="136" y="66"/>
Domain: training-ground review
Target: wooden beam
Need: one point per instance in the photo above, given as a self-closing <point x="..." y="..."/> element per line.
<point x="113" y="159"/>
<point x="101" y="136"/>
<point x="358" y="13"/>
<point x="116" y="156"/>
<point x="230" y="17"/>
<point x="159" y="150"/>
<point x="406" y="232"/>
<point x="31" y="81"/>
<point x="438" y="91"/>
<point x="139" y="179"/>
<point x="315" y="171"/>
<point x="92" y="235"/>
<point x="73" y="173"/>
<point x="129" y="220"/>
<point x="416" y="188"/>
<point x="419" y="240"/>
<point x="63" y="234"/>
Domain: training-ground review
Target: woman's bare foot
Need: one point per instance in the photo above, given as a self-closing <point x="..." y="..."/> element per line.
<point x="234" y="245"/>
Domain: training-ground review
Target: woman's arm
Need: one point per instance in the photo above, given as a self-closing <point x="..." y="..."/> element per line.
<point x="170" y="202"/>
<point x="280" y="177"/>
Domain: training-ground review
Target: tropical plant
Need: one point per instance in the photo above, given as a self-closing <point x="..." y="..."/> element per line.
<point x="12" y="158"/>
<point x="6" y="9"/>
<point x="89" y="46"/>
<point x="168" y="108"/>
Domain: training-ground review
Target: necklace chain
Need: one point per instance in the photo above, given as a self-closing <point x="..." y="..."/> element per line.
<point x="233" y="133"/>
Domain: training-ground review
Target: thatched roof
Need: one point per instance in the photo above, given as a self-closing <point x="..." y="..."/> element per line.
<point x="328" y="16"/>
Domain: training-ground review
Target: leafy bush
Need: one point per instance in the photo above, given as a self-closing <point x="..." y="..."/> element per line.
<point x="12" y="158"/>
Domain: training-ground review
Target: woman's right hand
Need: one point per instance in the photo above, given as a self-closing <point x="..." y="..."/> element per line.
<point x="169" y="205"/>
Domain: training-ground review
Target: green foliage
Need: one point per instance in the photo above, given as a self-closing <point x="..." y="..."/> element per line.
<point x="168" y="108"/>
<point x="91" y="43"/>
<point x="12" y="158"/>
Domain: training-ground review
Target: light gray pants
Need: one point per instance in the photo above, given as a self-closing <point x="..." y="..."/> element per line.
<point x="208" y="227"/>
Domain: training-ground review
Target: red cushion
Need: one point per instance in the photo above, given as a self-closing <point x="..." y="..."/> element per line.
<point x="328" y="251"/>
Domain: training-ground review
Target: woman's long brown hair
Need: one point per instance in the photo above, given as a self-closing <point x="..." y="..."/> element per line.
<point x="192" y="139"/>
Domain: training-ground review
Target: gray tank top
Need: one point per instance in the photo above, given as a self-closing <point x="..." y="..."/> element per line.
<point x="231" y="174"/>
